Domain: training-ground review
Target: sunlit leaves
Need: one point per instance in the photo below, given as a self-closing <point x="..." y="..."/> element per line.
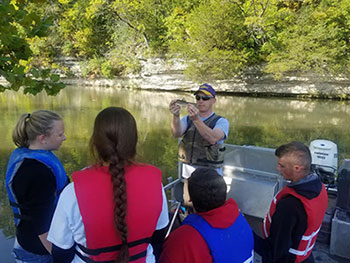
<point x="216" y="39"/>
<point x="317" y="39"/>
<point x="213" y="38"/>
<point x="19" y="25"/>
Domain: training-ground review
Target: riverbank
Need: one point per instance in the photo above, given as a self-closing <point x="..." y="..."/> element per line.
<point x="168" y="75"/>
<point x="159" y="74"/>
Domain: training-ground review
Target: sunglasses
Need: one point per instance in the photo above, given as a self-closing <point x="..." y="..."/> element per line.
<point x="198" y="97"/>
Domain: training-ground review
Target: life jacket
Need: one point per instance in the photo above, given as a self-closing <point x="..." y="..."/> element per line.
<point x="94" y="191"/>
<point x="46" y="157"/>
<point x="194" y="149"/>
<point x="315" y="210"/>
<point x="233" y="244"/>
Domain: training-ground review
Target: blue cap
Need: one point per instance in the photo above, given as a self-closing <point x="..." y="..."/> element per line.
<point x="206" y="89"/>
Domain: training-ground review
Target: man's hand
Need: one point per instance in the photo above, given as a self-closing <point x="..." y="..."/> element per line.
<point x="193" y="112"/>
<point x="174" y="108"/>
<point x="177" y="127"/>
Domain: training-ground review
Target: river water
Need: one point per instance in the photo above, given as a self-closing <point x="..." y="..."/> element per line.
<point x="253" y="121"/>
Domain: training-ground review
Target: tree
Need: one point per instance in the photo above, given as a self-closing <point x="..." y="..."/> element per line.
<point x="217" y="39"/>
<point x="112" y="35"/>
<point x="17" y="27"/>
<point x="213" y="39"/>
<point x="309" y="36"/>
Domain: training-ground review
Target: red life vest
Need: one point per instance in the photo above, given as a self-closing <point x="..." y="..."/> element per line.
<point x="94" y="192"/>
<point x="315" y="209"/>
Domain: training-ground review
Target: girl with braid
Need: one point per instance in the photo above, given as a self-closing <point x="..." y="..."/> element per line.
<point x="115" y="209"/>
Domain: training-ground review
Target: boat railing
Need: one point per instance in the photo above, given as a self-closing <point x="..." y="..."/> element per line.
<point x="171" y="184"/>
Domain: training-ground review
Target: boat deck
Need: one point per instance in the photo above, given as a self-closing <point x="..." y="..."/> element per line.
<point x="252" y="179"/>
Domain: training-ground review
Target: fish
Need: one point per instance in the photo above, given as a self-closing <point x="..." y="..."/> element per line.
<point x="184" y="103"/>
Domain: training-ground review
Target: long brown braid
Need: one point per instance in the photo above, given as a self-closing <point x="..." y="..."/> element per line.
<point x="114" y="142"/>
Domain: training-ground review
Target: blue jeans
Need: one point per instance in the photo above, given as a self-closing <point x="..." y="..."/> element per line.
<point x="23" y="256"/>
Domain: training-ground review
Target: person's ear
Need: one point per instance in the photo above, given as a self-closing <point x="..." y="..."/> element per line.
<point x="41" y="138"/>
<point x="298" y="168"/>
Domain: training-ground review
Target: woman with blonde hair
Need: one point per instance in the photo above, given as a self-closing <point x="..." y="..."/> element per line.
<point x="111" y="211"/>
<point x="34" y="179"/>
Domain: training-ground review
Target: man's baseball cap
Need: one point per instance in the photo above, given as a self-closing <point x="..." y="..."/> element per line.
<point x="206" y="89"/>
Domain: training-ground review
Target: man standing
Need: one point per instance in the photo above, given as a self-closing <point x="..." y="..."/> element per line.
<point x="216" y="232"/>
<point x="203" y="133"/>
<point x="296" y="212"/>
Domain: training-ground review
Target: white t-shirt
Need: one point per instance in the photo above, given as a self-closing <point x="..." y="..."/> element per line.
<point x="67" y="227"/>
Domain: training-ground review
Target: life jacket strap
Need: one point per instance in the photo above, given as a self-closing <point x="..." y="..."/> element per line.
<point x="131" y="258"/>
<point x="16" y="205"/>
<point x="19" y="216"/>
<point x="209" y="161"/>
<point x="24" y="217"/>
<point x="97" y="251"/>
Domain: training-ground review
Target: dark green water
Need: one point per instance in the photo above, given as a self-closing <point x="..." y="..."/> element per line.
<point x="253" y="121"/>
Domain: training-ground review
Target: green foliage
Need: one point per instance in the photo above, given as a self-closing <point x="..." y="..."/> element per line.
<point x="85" y="27"/>
<point x="212" y="38"/>
<point x="108" y="34"/>
<point x="145" y="17"/>
<point x="117" y="65"/>
<point x="217" y="39"/>
<point x="18" y="26"/>
<point x="316" y="38"/>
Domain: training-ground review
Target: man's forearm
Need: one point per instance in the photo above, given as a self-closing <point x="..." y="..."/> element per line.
<point x="210" y="135"/>
<point x="176" y="128"/>
<point x="47" y="244"/>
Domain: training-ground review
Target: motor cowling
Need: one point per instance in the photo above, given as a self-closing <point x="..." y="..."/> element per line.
<point x="324" y="156"/>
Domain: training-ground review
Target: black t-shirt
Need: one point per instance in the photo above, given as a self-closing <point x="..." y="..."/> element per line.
<point x="289" y="223"/>
<point x="34" y="186"/>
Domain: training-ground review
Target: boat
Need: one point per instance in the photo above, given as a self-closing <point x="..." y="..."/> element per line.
<point x="252" y="179"/>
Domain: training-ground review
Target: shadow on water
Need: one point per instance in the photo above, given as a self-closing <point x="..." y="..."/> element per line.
<point x="265" y="122"/>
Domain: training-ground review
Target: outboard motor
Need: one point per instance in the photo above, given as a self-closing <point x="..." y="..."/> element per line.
<point x="324" y="156"/>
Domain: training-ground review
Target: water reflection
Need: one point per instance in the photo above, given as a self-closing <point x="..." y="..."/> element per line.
<point x="253" y="121"/>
